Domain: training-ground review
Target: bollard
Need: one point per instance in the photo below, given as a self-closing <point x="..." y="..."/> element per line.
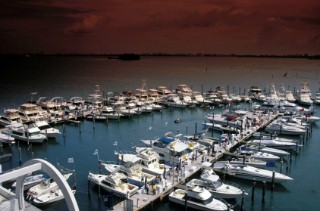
<point x="263" y="191"/>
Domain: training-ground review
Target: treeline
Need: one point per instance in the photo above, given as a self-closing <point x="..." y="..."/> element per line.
<point x="137" y="56"/>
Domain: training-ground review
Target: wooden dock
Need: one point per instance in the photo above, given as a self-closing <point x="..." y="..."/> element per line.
<point x="142" y="200"/>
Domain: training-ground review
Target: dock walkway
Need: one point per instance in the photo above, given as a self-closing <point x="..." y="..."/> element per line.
<point x="141" y="200"/>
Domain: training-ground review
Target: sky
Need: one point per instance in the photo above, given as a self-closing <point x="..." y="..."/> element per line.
<point x="160" y="26"/>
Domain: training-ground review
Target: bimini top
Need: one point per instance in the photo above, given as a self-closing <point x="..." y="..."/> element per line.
<point x="166" y="140"/>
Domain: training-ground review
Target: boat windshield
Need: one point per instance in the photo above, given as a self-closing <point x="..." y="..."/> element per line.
<point x="217" y="184"/>
<point x="204" y="202"/>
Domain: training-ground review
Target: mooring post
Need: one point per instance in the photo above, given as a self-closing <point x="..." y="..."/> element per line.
<point x="94" y="123"/>
<point x="64" y="130"/>
<point x="19" y="155"/>
<point x="89" y="188"/>
<point x="253" y="190"/>
<point x="273" y="175"/>
<point x="185" y="202"/>
<point x="263" y="191"/>
<point x="242" y="200"/>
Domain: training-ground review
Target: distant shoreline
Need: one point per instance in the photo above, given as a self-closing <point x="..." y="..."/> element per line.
<point x="294" y="56"/>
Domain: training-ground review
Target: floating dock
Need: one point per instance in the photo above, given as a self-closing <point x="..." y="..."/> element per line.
<point x="142" y="200"/>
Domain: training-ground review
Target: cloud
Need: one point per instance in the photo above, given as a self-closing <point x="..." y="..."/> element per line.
<point x="87" y="25"/>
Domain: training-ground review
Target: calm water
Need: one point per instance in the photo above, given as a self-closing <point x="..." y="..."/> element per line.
<point x="77" y="76"/>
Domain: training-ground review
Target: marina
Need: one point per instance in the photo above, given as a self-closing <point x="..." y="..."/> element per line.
<point x="102" y="140"/>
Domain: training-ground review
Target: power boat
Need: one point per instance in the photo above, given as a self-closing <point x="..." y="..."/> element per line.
<point x="274" y="143"/>
<point x="266" y="149"/>
<point x="44" y="187"/>
<point x="170" y="149"/>
<point x="31" y="112"/>
<point x="280" y="128"/>
<point x="134" y="171"/>
<point x="96" y="117"/>
<point x="173" y="100"/>
<point x="244" y="151"/>
<point x="146" y="157"/>
<point x="6" y="138"/>
<point x="26" y="133"/>
<point x="31" y="181"/>
<point x="46" y="129"/>
<point x="249" y="172"/>
<point x="248" y="161"/>
<point x="317" y="98"/>
<point x="11" y="116"/>
<point x="50" y="197"/>
<point x="198" y="198"/>
<point x="304" y="94"/>
<point x="214" y="184"/>
<point x="110" y="113"/>
<point x="200" y="99"/>
<point x="116" y="182"/>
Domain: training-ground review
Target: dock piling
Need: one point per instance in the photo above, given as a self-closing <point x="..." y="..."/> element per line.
<point x="253" y="190"/>
<point x="263" y="192"/>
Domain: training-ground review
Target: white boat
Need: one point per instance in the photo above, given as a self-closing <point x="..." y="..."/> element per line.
<point x="11" y="116"/>
<point x="214" y="184"/>
<point x="280" y="128"/>
<point x="200" y="99"/>
<point x="317" y="98"/>
<point x="110" y="113"/>
<point x="44" y="187"/>
<point x="50" y="197"/>
<point x="273" y="142"/>
<point x="163" y="90"/>
<point x="116" y="182"/>
<point x="31" y="180"/>
<point x="146" y="157"/>
<point x="248" y="161"/>
<point x="46" y="129"/>
<point x="266" y="149"/>
<point x="289" y="96"/>
<point x="197" y="198"/>
<point x="111" y="166"/>
<point x="170" y="149"/>
<point x="134" y="172"/>
<point x="96" y="117"/>
<point x="244" y="151"/>
<point x="304" y="94"/>
<point x="126" y="112"/>
<point x="6" y="138"/>
<point x="249" y="172"/>
<point x="31" y="112"/>
<point x="173" y="100"/>
<point x="26" y="133"/>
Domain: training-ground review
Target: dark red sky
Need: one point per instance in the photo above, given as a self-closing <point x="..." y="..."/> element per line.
<point x="168" y="26"/>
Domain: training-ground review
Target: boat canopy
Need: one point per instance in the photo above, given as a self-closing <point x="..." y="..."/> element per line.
<point x="166" y="140"/>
